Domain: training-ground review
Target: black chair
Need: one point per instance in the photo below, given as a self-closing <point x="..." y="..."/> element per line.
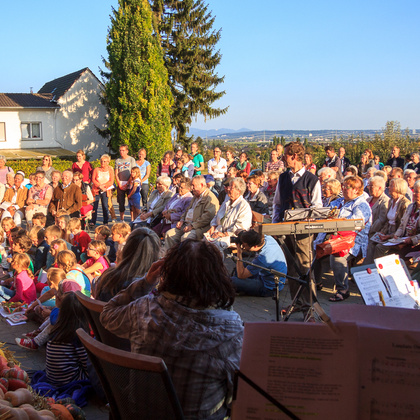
<point x="92" y="309"/>
<point x="137" y="386"/>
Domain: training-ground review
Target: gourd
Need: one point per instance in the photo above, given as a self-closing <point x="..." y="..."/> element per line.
<point x="61" y="412"/>
<point x="19" y="397"/>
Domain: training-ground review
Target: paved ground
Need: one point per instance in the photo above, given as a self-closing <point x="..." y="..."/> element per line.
<point x="251" y="309"/>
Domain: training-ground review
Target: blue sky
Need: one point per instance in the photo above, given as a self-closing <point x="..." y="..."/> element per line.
<point x="288" y="64"/>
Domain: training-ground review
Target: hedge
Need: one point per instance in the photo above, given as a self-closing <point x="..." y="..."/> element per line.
<point x="29" y="166"/>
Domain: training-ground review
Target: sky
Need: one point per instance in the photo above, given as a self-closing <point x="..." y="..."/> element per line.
<point x="288" y="64"/>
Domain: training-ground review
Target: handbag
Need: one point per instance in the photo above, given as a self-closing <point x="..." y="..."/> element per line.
<point x="338" y="245"/>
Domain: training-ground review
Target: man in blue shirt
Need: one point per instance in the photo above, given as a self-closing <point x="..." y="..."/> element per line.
<point x="255" y="281"/>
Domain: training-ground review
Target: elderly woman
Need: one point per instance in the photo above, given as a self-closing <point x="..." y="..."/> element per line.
<point x="83" y="167"/>
<point x="397" y="206"/>
<point x="46" y="167"/>
<point x="39" y="197"/>
<point x="15" y="197"/>
<point x="4" y="170"/>
<point x="142" y="249"/>
<point x="378" y="202"/>
<point x="189" y="322"/>
<point x="409" y="229"/>
<point x="256" y="198"/>
<point x="331" y="190"/>
<point x="233" y="216"/>
<point x="175" y="207"/>
<point x="55" y="179"/>
<point x="352" y="206"/>
<point x="103" y="182"/>
<point x="152" y="213"/>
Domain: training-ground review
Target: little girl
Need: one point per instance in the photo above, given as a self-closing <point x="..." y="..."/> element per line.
<point x="56" y="246"/>
<point x="23" y="289"/>
<point x="97" y="262"/>
<point x="134" y="196"/>
<point x="8" y="224"/>
<point x="62" y="222"/>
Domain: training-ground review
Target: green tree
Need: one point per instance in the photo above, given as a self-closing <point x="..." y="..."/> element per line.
<point x="189" y="44"/>
<point x="136" y="92"/>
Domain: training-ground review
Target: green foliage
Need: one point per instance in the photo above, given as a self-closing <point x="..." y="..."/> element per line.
<point x="136" y="93"/>
<point x="188" y="42"/>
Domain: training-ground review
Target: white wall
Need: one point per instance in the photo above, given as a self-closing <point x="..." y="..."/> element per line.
<point x="13" y="118"/>
<point x="80" y="112"/>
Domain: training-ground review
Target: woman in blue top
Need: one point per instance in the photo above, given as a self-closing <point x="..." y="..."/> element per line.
<point x="145" y="168"/>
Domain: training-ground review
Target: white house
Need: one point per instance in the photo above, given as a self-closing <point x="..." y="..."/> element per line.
<point x="62" y="115"/>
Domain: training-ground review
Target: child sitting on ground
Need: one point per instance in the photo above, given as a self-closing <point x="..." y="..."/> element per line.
<point x="47" y="298"/>
<point x="66" y="260"/>
<point x="7" y="225"/>
<point x="57" y="246"/>
<point x="80" y="240"/>
<point x="23" y="287"/>
<point x="97" y="263"/>
<point x="134" y="185"/>
<point x="39" y="219"/>
<point x="37" y="338"/>
<point x="103" y="233"/>
<point x="53" y="233"/>
<point x="120" y="233"/>
<point x="22" y="244"/>
<point x="42" y="248"/>
<point x="62" y="223"/>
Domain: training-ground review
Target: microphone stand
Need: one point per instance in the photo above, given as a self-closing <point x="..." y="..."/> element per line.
<point x="276" y="274"/>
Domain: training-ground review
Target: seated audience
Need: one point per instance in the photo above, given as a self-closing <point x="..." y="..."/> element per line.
<point x="397" y="205"/>
<point x="309" y="164"/>
<point x="175" y="208"/>
<point x="331" y="190"/>
<point x="352" y="206"/>
<point x="197" y="217"/>
<point x="143" y="248"/>
<point x="243" y="164"/>
<point x="120" y="232"/>
<point x="256" y="198"/>
<point x="39" y="198"/>
<point x="189" y="323"/>
<point x="66" y="260"/>
<point x="80" y="240"/>
<point x="270" y="190"/>
<point x="151" y="214"/>
<point x="275" y="164"/>
<point x="67" y="196"/>
<point x="378" y="202"/>
<point x="103" y="233"/>
<point x="254" y="281"/>
<point x="233" y="216"/>
<point x="97" y="262"/>
<point x="15" y="197"/>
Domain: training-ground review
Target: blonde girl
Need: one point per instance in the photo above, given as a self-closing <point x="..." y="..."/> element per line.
<point x="66" y="260"/>
<point x="56" y="246"/>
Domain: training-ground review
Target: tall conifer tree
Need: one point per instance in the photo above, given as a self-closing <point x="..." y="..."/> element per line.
<point x="189" y="44"/>
<point x="136" y="93"/>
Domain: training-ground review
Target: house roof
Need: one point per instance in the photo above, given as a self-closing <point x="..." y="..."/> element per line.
<point x="26" y="100"/>
<point x="58" y="87"/>
<point x="26" y="154"/>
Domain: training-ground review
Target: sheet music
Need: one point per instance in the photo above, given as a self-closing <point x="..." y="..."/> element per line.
<point x="307" y="367"/>
<point x="389" y="374"/>
<point x="370" y="283"/>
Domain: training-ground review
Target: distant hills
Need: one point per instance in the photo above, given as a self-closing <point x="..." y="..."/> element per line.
<point x="253" y="135"/>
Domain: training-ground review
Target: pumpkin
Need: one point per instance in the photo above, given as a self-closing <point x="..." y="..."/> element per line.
<point x="15" y="384"/>
<point x="76" y="412"/>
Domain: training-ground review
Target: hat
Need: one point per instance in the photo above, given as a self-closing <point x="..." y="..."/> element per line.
<point x="68" y="286"/>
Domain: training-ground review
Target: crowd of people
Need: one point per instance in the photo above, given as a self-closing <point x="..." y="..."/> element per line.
<point x="162" y="270"/>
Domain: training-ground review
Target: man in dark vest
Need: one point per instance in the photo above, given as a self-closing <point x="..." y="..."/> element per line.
<point x="297" y="188"/>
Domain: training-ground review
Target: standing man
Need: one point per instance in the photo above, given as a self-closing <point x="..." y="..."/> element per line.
<point x="297" y="188"/>
<point x="345" y="162"/>
<point x="333" y="161"/>
<point x="197" y="159"/>
<point x="217" y="167"/>
<point x="395" y="160"/>
<point x="123" y="166"/>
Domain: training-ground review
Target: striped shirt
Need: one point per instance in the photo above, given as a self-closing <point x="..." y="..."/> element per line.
<point x="65" y="362"/>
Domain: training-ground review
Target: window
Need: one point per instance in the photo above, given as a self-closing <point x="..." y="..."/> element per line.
<point x="31" y="131"/>
<point x="2" y="131"/>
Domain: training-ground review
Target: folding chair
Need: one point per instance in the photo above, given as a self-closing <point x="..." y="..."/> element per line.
<point x="92" y="309"/>
<point x="137" y="386"/>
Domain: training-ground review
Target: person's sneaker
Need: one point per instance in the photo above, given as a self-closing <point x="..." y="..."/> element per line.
<point x="31" y="334"/>
<point x="26" y="343"/>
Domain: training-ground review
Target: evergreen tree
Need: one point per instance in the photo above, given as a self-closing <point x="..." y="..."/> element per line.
<point x="136" y="93"/>
<point x="189" y="42"/>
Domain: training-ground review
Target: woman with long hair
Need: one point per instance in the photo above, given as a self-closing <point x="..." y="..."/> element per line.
<point x="83" y="167"/>
<point x="141" y="250"/>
